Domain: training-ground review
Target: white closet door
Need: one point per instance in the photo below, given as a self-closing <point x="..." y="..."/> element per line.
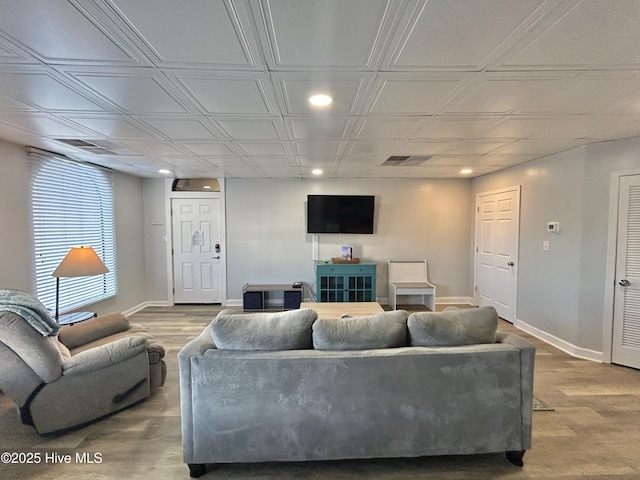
<point x="626" y="315"/>
<point x="497" y="238"/>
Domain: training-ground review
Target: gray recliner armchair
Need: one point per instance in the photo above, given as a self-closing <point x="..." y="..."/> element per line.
<point x="86" y="371"/>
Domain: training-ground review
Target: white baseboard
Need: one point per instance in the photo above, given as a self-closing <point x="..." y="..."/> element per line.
<point x="454" y="300"/>
<point x="560" y="344"/>
<point x="236" y="302"/>
<point x="137" y="308"/>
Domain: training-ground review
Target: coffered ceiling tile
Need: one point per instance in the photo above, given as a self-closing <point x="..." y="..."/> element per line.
<point x="11" y="104"/>
<point x="240" y="169"/>
<point x="363" y="159"/>
<point x="519" y="127"/>
<point x="332" y="34"/>
<point x="275" y="161"/>
<point x="325" y="161"/>
<point x="613" y="130"/>
<point x="453" y="160"/>
<point x="503" y="160"/>
<point x="318" y="149"/>
<point x="283" y="172"/>
<point x="53" y="33"/>
<point x="44" y="91"/>
<point x="182" y="162"/>
<point x="159" y="149"/>
<point x="592" y="93"/>
<point x="209" y="149"/>
<point x="539" y="146"/>
<point x="181" y="129"/>
<point x="319" y="128"/>
<point x="504" y="95"/>
<point x="346" y="92"/>
<point x="587" y="33"/>
<point x="439" y="28"/>
<point x="380" y="129"/>
<point x="579" y="126"/>
<point x="202" y="32"/>
<point x="263" y="148"/>
<point x="453" y="127"/>
<point x="422" y="148"/>
<point x="46" y="126"/>
<point x="474" y="147"/>
<point x="361" y="147"/>
<point x="402" y="95"/>
<point x="136" y="94"/>
<point x="250" y="129"/>
<point x="236" y="96"/>
<point x="117" y="128"/>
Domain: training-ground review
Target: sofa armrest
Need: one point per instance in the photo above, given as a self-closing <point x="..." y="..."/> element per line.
<point x="527" y="361"/>
<point x="104" y="355"/>
<point x="79" y="334"/>
<point x="156" y="352"/>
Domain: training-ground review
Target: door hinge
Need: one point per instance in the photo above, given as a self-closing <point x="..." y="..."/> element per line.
<point x="475" y="288"/>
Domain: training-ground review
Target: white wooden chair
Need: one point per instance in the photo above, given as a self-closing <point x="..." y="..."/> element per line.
<point x="410" y="278"/>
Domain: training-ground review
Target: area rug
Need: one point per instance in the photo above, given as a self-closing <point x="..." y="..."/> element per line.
<point x="540" y="406"/>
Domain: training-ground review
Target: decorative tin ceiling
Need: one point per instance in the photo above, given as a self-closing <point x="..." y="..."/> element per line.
<point x="219" y="88"/>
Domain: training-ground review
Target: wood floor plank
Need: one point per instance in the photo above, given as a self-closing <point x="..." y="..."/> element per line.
<point x="593" y="432"/>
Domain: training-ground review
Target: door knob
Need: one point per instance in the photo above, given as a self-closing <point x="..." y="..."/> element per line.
<point x="216" y="257"/>
<point x="511" y="264"/>
<point x="624" y="282"/>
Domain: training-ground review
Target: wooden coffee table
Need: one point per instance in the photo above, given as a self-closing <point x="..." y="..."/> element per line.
<point x="337" y="309"/>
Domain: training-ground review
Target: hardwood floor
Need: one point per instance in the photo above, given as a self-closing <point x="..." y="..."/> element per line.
<point x="594" y="431"/>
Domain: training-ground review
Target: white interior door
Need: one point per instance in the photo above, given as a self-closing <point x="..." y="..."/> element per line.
<point x="197" y="250"/>
<point x="626" y="307"/>
<point x="497" y="235"/>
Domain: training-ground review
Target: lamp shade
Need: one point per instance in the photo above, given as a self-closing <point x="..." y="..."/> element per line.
<point x="80" y="262"/>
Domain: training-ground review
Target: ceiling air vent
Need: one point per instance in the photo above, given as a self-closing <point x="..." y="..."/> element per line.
<point x="405" y="161"/>
<point x="98" y="147"/>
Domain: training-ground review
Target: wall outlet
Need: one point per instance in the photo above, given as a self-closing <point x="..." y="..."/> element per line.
<point x="545" y="245"/>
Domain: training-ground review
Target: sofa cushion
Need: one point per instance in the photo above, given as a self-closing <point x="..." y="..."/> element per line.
<point x="84" y="332"/>
<point x="263" y="331"/>
<point x="453" y="327"/>
<point x="382" y="330"/>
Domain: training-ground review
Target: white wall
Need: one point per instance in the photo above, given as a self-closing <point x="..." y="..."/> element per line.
<point x="129" y="218"/>
<point x="16" y="248"/>
<point x="156" y="235"/>
<point x="16" y="261"/>
<point x="551" y="190"/>
<point x="561" y="293"/>
<point x="415" y="219"/>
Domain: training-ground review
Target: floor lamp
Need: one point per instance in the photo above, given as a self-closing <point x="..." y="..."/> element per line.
<point x="79" y="262"/>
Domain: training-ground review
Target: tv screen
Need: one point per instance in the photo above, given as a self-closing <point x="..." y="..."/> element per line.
<point x="340" y="213"/>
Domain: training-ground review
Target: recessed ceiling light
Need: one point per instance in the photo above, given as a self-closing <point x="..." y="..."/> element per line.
<point x="466" y="171"/>
<point x="164" y="170"/>
<point x="320" y="100"/>
<point x="317" y="171"/>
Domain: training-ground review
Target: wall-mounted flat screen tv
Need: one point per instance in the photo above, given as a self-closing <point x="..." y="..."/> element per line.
<point x="340" y="213"/>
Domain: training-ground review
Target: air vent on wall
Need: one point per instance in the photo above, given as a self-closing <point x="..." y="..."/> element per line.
<point x="405" y="161"/>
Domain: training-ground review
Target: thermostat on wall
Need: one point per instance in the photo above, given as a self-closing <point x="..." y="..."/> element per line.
<point x="553" y="226"/>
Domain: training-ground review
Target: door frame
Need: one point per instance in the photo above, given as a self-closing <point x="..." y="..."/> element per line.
<point x="612" y="254"/>
<point x="515" y="188"/>
<point x="170" y="195"/>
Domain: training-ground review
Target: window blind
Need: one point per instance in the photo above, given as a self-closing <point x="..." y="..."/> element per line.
<point x="72" y="205"/>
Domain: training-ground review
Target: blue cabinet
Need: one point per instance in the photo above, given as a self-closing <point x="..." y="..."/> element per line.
<point x="346" y="282"/>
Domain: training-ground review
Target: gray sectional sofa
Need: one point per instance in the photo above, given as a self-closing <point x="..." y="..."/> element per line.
<point x="290" y="387"/>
